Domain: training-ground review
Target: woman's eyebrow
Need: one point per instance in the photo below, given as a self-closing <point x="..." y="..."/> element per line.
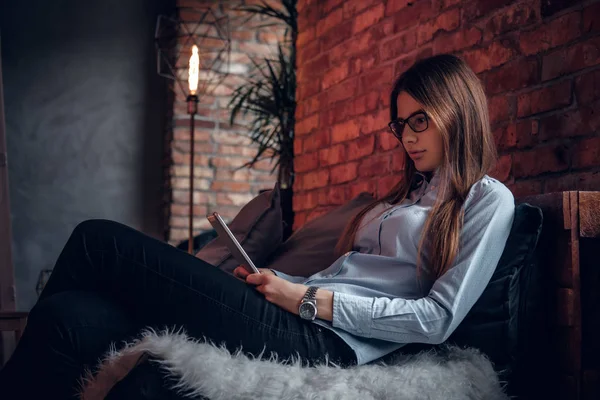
<point x="420" y="110"/>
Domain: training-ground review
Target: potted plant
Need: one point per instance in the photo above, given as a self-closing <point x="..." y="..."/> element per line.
<point x="268" y="98"/>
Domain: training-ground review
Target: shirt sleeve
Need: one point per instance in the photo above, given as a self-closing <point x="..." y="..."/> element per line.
<point x="433" y="318"/>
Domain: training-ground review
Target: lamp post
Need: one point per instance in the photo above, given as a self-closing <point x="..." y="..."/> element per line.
<point x="175" y="39"/>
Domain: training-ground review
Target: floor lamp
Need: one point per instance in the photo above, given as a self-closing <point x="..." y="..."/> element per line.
<point x="197" y="52"/>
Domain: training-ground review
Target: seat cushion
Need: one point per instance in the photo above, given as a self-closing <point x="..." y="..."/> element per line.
<point x="311" y="248"/>
<point x="496" y="322"/>
<point x="258" y="227"/>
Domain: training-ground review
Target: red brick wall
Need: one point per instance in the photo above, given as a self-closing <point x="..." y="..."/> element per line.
<point x="220" y="147"/>
<point x="538" y="59"/>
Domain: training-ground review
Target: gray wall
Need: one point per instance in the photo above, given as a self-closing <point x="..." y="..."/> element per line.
<point x="84" y="120"/>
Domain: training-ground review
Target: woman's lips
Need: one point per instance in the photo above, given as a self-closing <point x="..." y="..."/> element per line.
<point x="415" y="155"/>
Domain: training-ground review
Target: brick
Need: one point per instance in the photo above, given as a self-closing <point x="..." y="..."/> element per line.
<point x="439" y="5"/>
<point x="369" y="186"/>
<point x="259" y="49"/>
<point x="332" y="155"/>
<point x="555" y="33"/>
<point x="200" y="135"/>
<point x="398" y="161"/>
<point x="412" y="15"/>
<point x="515" y="75"/>
<point x="377" y="78"/>
<point x="586" y="153"/>
<point x="374" y="122"/>
<point x="587" y="181"/>
<point x="540" y="160"/>
<point x="239" y="187"/>
<point x="307" y="125"/>
<point x="366" y="103"/>
<point x="335" y="195"/>
<point x="330" y="21"/>
<point x="344" y="173"/>
<point x="378" y="165"/>
<point x="514" y="17"/>
<point x="353" y="7"/>
<point x="565" y="124"/>
<point x="329" y="5"/>
<point x="184" y="183"/>
<point x="399" y="45"/>
<point x="183" y="210"/>
<point x="335" y="75"/>
<point x="314" y="67"/>
<point x="405" y="63"/>
<point x="392" y="7"/>
<point x="362" y="42"/>
<point x="368" y="18"/>
<point x="479" y="8"/>
<point x="527" y="132"/>
<point x="496" y="54"/>
<point x="314" y="179"/>
<point x="451" y="42"/>
<point x="342" y="91"/>
<point x="335" y="36"/>
<point x="299" y="220"/>
<point x="306" y="162"/>
<point x="499" y="109"/>
<point x="361" y="147"/>
<point x="505" y="137"/>
<point x="364" y="62"/>
<point x="572" y="58"/>
<point x="307" y="88"/>
<point x="502" y="169"/>
<point x="591" y="22"/>
<point x="179" y="157"/>
<point x="307" y="200"/>
<point x="308" y="52"/>
<point x="337" y="113"/>
<point x="345" y="131"/>
<point x="309" y="17"/>
<point x="587" y="87"/>
<point x="525" y="188"/>
<point x="317" y="140"/>
<point x="386" y="183"/>
<point x="448" y="21"/>
<point x="306" y="37"/>
<point x="544" y="99"/>
<point x="386" y="141"/>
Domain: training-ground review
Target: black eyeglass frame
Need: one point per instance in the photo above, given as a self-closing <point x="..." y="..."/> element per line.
<point x="406" y="121"/>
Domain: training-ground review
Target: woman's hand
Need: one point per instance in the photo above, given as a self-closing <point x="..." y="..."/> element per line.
<point x="242" y="273"/>
<point x="276" y="290"/>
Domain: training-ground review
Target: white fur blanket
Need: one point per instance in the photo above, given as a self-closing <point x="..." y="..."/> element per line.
<point x="213" y="372"/>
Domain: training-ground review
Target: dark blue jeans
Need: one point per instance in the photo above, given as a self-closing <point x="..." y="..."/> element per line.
<point x="110" y="281"/>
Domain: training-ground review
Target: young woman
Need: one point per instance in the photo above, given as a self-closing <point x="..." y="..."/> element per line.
<point x="411" y="265"/>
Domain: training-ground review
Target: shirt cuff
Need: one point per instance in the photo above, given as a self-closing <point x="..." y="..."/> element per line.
<point x="353" y="313"/>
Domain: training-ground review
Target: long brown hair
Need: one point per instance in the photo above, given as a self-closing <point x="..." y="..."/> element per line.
<point x="453" y="97"/>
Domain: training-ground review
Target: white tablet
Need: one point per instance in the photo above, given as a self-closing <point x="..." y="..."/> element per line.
<point x="232" y="243"/>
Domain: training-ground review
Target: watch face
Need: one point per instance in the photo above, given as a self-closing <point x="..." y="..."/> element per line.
<point x="307" y="311"/>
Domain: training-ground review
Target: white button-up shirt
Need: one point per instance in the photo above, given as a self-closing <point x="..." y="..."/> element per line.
<point x="378" y="304"/>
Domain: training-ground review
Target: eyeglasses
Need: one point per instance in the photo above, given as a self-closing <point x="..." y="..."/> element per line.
<point x="417" y="121"/>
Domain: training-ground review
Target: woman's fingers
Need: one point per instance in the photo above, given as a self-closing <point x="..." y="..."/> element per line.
<point x="240" y="272"/>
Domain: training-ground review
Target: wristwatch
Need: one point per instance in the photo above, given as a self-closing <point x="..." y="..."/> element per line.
<point x="308" y="305"/>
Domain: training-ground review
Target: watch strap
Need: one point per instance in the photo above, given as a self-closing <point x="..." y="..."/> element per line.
<point x="310" y="294"/>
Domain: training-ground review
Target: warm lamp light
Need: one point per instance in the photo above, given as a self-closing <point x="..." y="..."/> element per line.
<point x="194" y="70"/>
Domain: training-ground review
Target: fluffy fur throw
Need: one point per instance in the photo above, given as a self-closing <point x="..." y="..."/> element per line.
<point x="213" y="372"/>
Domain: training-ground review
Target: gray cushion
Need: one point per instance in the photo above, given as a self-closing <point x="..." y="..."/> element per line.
<point x="311" y="248"/>
<point x="258" y="227"/>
